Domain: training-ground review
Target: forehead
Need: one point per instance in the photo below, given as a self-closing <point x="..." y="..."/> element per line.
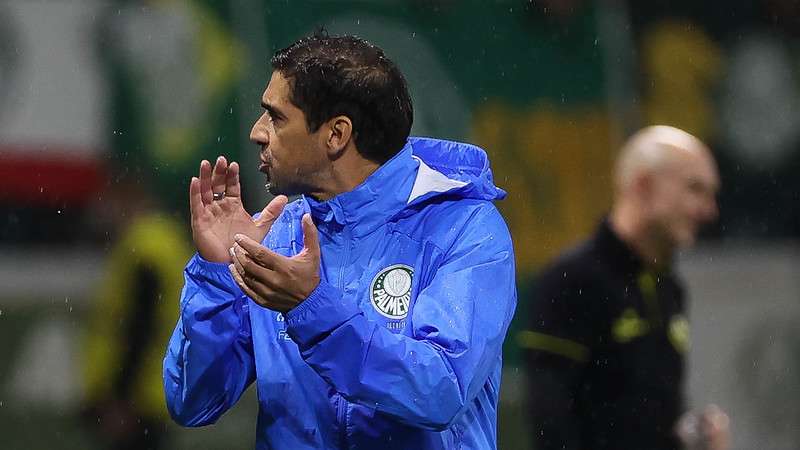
<point x="696" y="166"/>
<point x="277" y="92"/>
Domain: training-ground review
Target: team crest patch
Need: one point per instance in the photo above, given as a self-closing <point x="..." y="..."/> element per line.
<point x="390" y="291"/>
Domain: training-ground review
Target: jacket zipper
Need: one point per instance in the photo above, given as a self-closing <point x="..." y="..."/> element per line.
<point x="346" y="255"/>
<point x="341" y="407"/>
<point x="341" y="417"/>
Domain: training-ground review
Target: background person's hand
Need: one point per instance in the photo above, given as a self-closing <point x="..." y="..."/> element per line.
<point x="714" y="425"/>
<point x="216" y="222"/>
<point x="275" y="281"/>
<point x="704" y="430"/>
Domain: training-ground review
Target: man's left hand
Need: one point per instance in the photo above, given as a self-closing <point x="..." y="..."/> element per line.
<point x="275" y="281"/>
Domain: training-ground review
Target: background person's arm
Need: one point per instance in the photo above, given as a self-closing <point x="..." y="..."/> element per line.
<point x="557" y="350"/>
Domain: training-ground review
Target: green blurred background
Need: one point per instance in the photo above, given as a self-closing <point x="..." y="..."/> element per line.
<point x="108" y="106"/>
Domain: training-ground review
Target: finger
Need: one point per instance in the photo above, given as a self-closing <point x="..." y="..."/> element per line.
<point x="310" y="237"/>
<point x="195" y="198"/>
<point x="232" y="187"/>
<point x="256" y="278"/>
<point x="205" y="182"/>
<point x="243" y="286"/>
<point x="247" y="267"/>
<point x="218" y="176"/>
<point x="719" y="420"/>
<point x="235" y="259"/>
<point x="258" y="253"/>
<point x="271" y="212"/>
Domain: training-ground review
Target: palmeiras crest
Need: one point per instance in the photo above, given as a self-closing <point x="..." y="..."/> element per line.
<point x="390" y="291"/>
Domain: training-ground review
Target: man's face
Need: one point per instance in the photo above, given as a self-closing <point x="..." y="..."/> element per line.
<point x="683" y="197"/>
<point x="291" y="157"/>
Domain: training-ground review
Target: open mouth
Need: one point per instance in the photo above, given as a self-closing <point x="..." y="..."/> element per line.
<point x="265" y="163"/>
<point x="264" y="168"/>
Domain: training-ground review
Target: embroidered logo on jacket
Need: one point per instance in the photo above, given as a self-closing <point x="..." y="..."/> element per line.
<point x="390" y="291"/>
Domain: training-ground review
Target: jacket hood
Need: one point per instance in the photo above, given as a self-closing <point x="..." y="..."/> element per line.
<point x="423" y="170"/>
<point x="451" y="168"/>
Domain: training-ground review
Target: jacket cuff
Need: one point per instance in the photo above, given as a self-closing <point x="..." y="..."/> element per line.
<point x="213" y="273"/>
<point x="318" y="315"/>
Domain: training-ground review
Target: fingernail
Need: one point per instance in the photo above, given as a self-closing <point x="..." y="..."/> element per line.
<point x="237" y="237"/>
<point x="230" y="250"/>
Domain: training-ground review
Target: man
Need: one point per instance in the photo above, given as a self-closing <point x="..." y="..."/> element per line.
<point x="371" y="312"/>
<point x="609" y="333"/>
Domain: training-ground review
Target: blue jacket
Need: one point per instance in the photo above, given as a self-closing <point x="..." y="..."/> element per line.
<point x="399" y="347"/>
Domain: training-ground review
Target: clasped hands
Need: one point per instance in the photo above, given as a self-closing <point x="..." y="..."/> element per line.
<point x="223" y="231"/>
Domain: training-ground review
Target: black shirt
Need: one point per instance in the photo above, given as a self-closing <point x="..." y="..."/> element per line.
<point x="605" y="350"/>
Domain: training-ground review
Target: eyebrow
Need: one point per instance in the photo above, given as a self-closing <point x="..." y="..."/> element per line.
<point x="273" y="111"/>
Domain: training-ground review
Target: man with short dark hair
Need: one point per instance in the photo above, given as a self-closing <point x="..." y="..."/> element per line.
<point x="608" y="330"/>
<point x="371" y="312"/>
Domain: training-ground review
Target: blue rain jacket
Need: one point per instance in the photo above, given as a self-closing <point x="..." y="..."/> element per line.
<point x="399" y="347"/>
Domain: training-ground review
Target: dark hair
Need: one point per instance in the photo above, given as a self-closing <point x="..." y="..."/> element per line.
<point x="346" y="75"/>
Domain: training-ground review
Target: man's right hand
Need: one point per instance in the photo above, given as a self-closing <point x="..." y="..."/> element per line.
<point x="216" y="222"/>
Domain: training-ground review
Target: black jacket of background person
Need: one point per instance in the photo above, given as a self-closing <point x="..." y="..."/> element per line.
<point x="605" y="351"/>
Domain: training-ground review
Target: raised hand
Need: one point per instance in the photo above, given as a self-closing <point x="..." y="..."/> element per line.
<point x="218" y="213"/>
<point x="275" y="281"/>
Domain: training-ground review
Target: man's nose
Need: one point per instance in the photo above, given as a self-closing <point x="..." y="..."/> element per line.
<point x="711" y="210"/>
<point x="259" y="134"/>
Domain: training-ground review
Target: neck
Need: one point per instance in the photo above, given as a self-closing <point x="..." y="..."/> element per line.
<point x="627" y="223"/>
<point x="345" y="174"/>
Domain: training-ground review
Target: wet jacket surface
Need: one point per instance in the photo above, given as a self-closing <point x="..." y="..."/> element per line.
<point x="399" y="347"/>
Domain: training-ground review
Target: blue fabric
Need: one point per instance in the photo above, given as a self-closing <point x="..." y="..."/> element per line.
<point x="346" y="368"/>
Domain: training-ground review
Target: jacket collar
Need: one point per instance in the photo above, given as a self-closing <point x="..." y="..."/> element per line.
<point x="617" y="250"/>
<point x="385" y="192"/>
<point x="622" y="254"/>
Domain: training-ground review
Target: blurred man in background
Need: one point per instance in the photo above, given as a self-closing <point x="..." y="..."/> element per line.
<point x="608" y="332"/>
<point x="132" y="315"/>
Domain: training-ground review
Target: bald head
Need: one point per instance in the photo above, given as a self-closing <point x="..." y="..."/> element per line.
<point x="666" y="186"/>
<point x="655" y="149"/>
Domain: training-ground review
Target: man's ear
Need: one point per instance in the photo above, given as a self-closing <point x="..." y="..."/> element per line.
<point x="643" y="185"/>
<point x="339" y="135"/>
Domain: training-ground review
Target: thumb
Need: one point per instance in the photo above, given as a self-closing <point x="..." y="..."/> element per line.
<point x="310" y="237"/>
<point x="271" y="212"/>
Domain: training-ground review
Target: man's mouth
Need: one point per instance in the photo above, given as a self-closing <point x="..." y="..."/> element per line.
<point x="265" y="165"/>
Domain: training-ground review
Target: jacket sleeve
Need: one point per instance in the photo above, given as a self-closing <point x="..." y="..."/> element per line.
<point x="459" y="322"/>
<point x="558" y="348"/>
<point x="209" y="361"/>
